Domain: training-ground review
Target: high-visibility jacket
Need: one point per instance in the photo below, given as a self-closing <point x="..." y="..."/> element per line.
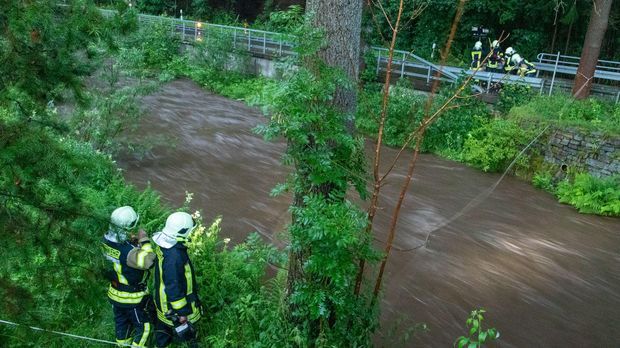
<point x="175" y="284"/>
<point x="526" y="68"/>
<point x="476" y="58"/>
<point x="129" y="270"/>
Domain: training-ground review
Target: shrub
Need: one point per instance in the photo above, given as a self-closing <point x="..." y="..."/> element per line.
<point x="495" y="145"/>
<point x="592" y="195"/>
<point x="564" y="111"/>
<point x="513" y="95"/>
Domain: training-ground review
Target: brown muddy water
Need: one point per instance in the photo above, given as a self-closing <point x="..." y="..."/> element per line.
<point x="548" y="276"/>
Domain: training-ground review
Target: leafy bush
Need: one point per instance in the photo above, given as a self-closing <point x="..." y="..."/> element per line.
<point x="512" y="95"/>
<point x="406" y="110"/>
<point x="283" y="21"/>
<point x="592" y="195"/>
<point x="544" y="181"/>
<point x="495" y="145"/>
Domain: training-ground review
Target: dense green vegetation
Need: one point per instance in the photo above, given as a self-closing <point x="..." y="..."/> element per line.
<point x="58" y="180"/>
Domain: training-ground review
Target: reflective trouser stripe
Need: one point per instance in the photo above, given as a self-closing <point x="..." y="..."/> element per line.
<point x="126" y="297"/>
<point x="123" y="343"/>
<point x="144" y="337"/>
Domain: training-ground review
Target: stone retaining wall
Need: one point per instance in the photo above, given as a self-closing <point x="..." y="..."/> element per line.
<point x="593" y="152"/>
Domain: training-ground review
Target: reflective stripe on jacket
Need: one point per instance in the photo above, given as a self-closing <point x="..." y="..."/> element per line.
<point x="128" y="271"/>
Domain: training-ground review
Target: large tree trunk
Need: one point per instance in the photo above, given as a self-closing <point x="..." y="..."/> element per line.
<point x="342" y="22"/>
<point x="592" y="48"/>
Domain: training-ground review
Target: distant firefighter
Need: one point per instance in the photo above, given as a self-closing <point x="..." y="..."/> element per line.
<point x="476" y="56"/>
<point x="496" y="59"/>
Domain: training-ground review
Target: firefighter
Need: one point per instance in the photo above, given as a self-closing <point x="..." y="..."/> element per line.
<point x="509" y="65"/>
<point x="130" y="257"/>
<point x="523" y="67"/>
<point x="496" y="57"/>
<point x="176" y="292"/>
<point x="476" y="56"/>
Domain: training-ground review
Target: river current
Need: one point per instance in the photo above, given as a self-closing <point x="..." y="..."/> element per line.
<point x="547" y="276"/>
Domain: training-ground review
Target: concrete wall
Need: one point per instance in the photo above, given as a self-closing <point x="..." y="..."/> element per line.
<point x="594" y="152"/>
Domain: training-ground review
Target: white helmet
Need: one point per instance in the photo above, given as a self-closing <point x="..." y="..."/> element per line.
<point x="510" y="51"/>
<point x="124" y="218"/>
<point x="178" y="227"/>
<point x="494" y="44"/>
<point x="516" y="58"/>
<point x="478" y="45"/>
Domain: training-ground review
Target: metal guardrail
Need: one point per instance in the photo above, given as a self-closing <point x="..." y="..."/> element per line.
<point x="568" y="65"/>
<point x="602" y="65"/>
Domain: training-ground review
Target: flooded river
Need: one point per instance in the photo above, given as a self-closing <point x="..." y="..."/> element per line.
<point x="548" y="276"/>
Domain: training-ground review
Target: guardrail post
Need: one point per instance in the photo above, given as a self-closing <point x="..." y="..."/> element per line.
<point x="264" y="43"/>
<point x="402" y="66"/>
<point x="378" y="63"/>
<point x="428" y="75"/>
<point x="489" y="80"/>
<point x="555" y="69"/>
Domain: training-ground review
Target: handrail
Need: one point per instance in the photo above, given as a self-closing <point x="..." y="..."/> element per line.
<point x="574" y="61"/>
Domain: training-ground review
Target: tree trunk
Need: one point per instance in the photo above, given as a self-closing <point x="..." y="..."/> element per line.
<point x="592" y="48"/>
<point x="342" y="22"/>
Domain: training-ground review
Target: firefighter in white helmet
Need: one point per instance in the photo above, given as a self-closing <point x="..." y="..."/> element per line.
<point x="129" y="256"/>
<point x="495" y="58"/>
<point x="509" y="65"/>
<point x="523" y="68"/>
<point x="476" y="56"/>
<point x="176" y="291"/>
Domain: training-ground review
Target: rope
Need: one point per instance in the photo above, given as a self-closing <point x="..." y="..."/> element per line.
<point x="84" y="338"/>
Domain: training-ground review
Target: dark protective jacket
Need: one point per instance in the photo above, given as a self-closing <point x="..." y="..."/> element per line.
<point x="128" y="270"/>
<point x="175" y="284"/>
<point x="495" y="59"/>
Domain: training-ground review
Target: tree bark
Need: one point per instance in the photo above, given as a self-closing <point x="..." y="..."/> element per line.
<point x="592" y="48"/>
<point x="342" y="22"/>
